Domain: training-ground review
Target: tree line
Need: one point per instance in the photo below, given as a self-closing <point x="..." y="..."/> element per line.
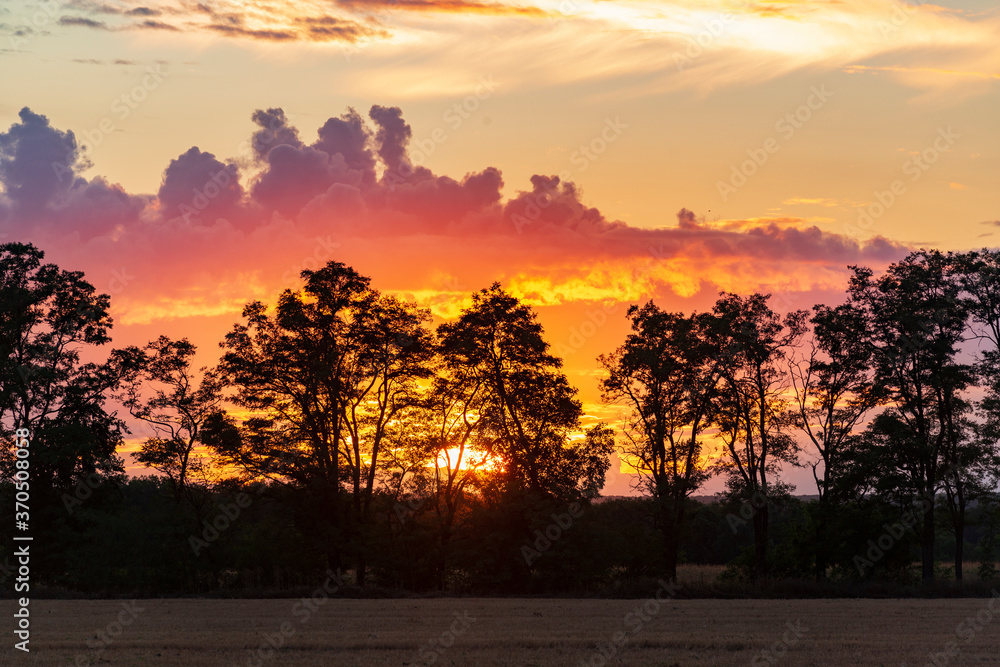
<point x="341" y="430"/>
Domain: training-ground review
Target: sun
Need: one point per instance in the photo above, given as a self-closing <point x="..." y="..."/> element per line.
<point x="454" y="458"/>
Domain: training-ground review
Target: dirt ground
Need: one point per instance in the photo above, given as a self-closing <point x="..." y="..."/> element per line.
<point x="474" y="631"/>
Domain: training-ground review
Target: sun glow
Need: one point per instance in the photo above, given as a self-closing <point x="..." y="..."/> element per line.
<point x="454" y="458"/>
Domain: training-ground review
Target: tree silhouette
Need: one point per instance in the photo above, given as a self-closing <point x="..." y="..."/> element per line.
<point x="668" y="373"/>
<point x="752" y="415"/>
<point x="917" y="322"/>
<point x="177" y="409"/>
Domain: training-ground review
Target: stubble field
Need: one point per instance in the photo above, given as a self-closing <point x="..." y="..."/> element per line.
<point x="476" y="631"/>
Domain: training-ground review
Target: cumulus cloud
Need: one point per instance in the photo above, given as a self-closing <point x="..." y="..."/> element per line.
<point x="43" y="191"/>
<point x="218" y="233"/>
<point x="199" y="189"/>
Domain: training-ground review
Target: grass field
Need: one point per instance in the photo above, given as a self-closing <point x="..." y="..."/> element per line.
<point x="475" y="631"/>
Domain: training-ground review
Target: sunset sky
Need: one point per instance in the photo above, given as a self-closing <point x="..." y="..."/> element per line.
<point x="587" y="154"/>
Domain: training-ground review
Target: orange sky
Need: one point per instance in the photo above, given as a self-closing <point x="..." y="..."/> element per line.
<point x="588" y="154"/>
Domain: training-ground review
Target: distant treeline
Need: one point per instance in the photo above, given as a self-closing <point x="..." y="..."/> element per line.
<point x="341" y="431"/>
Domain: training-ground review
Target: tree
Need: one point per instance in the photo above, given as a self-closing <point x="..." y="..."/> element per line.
<point x="177" y="410"/>
<point x="288" y="369"/>
<point x="917" y="322"/>
<point x="528" y="408"/>
<point x="668" y="373"/>
<point x="455" y="458"/>
<point x="393" y="350"/>
<point x="752" y="415"/>
<point x="834" y="390"/>
<point x="527" y="415"/>
<point x="49" y="318"/>
<point x="324" y="376"/>
<point x="978" y="274"/>
<point x="975" y="459"/>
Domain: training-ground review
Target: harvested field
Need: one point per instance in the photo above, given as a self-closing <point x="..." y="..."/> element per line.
<point x="510" y="632"/>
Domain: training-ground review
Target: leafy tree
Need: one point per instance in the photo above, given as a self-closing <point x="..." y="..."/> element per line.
<point x="974" y="458"/>
<point x="917" y="322"/>
<point x="50" y="318"/>
<point x="177" y="407"/>
<point x="752" y="416"/>
<point x="50" y="321"/>
<point x="834" y="390"/>
<point x="528" y="408"/>
<point x="392" y="353"/>
<point x="668" y="373"/>
<point x="324" y="376"/>
<point x="454" y="459"/>
<point x="289" y="370"/>
<point x="528" y="412"/>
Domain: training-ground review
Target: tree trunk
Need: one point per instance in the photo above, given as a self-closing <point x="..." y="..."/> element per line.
<point x="673" y="519"/>
<point x="442" y="564"/>
<point x="927" y="544"/>
<point x="333" y="558"/>
<point x="671" y="547"/>
<point x="362" y="569"/>
<point x="959" y="540"/>
<point x="822" y="531"/>
<point x="760" y="544"/>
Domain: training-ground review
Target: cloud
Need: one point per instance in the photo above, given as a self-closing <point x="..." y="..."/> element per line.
<point x="154" y="25"/>
<point x="811" y="201"/>
<point x="456" y="6"/>
<point x="84" y="22"/>
<point x="94" y="61"/>
<point x="43" y="191"/>
<point x="278" y="22"/>
<point x="240" y="31"/>
<point x="219" y="232"/>
<point x="331" y="28"/>
<point x="200" y="189"/>
<point x="648" y="46"/>
<point x="143" y="11"/>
